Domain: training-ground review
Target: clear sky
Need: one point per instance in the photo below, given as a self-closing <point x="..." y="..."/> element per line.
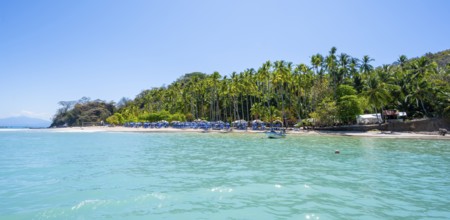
<point x="52" y="50"/>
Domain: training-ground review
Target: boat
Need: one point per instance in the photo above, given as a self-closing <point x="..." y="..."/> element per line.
<point x="276" y="134"/>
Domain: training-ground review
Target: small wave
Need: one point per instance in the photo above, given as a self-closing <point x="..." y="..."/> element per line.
<point x="159" y="196"/>
<point x="89" y="202"/>
<point x="221" y="189"/>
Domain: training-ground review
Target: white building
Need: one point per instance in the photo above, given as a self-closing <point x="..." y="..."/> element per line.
<point x="369" y="119"/>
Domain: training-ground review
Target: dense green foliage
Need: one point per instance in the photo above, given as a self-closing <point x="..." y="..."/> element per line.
<point x="332" y="89"/>
<point x="77" y="113"/>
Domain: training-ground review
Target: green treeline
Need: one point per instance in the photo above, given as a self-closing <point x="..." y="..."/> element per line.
<point x="331" y="89"/>
<point x="77" y="113"/>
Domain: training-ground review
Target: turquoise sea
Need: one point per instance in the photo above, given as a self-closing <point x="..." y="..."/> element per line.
<point x="101" y="175"/>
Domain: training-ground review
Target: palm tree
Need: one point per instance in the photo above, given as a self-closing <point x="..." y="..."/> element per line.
<point x="298" y="89"/>
<point x="271" y="114"/>
<point x="419" y="68"/>
<point x="264" y="75"/>
<point x="316" y="62"/>
<point x="343" y="71"/>
<point x="419" y="92"/>
<point x="215" y="111"/>
<point x="331" y="66"/>
<point x="251" y="89"/>
<point x="234" y="92"/>
<point x="257" y="110"/>
<point x="225" y="94"/>
<point x="366" y="67"/>
<point x="241" y="89"/>
<point x="356" y="79"/>
<point x="376" y="92"/>
<point x="282" y="73"/>
<point x="402" y="61"/>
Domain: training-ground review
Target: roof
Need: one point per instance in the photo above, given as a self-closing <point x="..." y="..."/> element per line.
<point x="377" y="115"/>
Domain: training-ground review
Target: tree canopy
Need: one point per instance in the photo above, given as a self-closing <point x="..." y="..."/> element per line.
<point x="333" y="89"/>
<point x="75" y="113"/>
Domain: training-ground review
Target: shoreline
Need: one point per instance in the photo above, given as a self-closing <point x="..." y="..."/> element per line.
<point x="377" y="134"/>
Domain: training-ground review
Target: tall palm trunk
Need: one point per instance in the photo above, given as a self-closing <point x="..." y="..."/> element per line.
<point x="202" y="114"/>
<point x="234" y="108"/>
<point x="423" y="107"/>
<point x="218" y="112"/>
<point x="242" y="106"/>
<point x="282" y="106"/>
<point x="248" y="113"/>
<point x="251" y="103"/>
<point x="211" y="110"/>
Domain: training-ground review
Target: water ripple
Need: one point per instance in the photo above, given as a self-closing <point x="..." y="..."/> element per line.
<point x="216" y="176"/>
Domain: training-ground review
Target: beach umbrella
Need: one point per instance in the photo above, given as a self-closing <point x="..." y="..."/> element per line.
<point x="257" y="121"/>
<point x="239" y="122"/>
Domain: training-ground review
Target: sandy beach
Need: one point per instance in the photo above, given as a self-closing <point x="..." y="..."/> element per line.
<point x="378" y="134"/>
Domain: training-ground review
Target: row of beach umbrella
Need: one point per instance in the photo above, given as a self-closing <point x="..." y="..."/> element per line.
<point x="159" y="124"/>
<point x="203" y="124"/>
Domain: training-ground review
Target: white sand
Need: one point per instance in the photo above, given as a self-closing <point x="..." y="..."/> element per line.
<point x="290" y="132"/>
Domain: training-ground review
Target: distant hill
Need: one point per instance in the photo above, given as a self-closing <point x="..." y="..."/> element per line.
<point x="24" y="122"/>
<point x="441" y="58"/>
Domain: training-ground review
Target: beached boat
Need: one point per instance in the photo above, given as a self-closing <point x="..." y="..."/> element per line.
<point x="275" y="134"/>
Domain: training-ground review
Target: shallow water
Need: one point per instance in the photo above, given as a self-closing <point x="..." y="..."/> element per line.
<point x="99" y="175"/>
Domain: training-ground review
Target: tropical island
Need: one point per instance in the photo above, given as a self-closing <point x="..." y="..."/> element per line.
<point x="328" y="93"/>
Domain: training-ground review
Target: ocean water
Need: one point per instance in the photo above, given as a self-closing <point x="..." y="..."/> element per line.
<point x="101" y="175"/>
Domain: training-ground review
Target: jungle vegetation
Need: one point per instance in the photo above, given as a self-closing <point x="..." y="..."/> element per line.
<point x="85" y="110"/>
<point x="331" y="89"/>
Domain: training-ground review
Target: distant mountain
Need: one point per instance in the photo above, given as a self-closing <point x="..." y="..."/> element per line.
<point x="24" y="122"/>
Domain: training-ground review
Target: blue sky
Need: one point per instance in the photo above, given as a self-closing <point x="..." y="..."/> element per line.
<point x="53" y="50"/>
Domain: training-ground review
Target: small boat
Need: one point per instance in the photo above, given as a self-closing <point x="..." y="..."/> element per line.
<point x="275" y="134"/>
